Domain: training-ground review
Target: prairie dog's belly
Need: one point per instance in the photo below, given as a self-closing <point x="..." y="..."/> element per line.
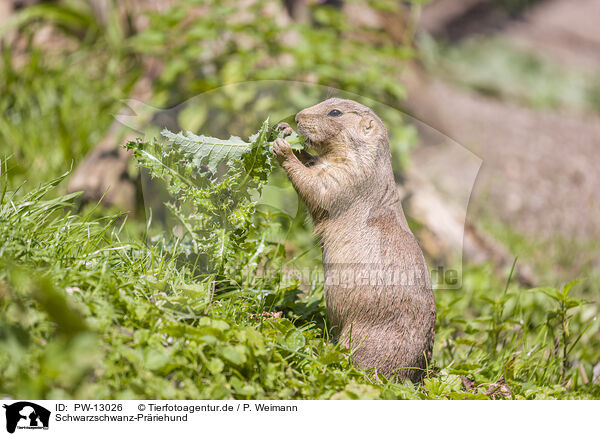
<point x="351" y="239"/>
<point x="354" y="249"/>
<point x="359" y="243"/>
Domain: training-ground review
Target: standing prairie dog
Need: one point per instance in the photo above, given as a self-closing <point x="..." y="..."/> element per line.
<point x="377" y="287"/>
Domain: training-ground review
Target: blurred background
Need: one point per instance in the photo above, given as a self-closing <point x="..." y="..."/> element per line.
<point x="492" y="106"/>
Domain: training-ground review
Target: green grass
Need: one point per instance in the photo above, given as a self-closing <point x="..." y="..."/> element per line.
<point x="55" y="110"/>
<point x="551" y="258"/>
<point x="87" y="312"/>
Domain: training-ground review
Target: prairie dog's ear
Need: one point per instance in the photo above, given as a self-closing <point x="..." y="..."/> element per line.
<point x="368" y="126"/>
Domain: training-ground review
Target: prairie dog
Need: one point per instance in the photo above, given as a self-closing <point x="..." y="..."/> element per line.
<point x="377" y="286"/>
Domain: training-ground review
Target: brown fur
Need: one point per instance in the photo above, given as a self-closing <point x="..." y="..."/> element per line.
<point x="377" y="287"/>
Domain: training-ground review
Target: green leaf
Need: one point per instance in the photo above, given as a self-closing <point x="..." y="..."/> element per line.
<point x="294" y="340"/>
<point x="206" y="150"/>
<point x="331" y="356"/>
<point x="156" y="359"/>
<point x="567" y="288"/>
<point x="235" y="355"/>
<point x="215" y="365"/>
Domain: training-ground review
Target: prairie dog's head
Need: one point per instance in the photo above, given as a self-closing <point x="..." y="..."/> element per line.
<point x="337" y="123"/>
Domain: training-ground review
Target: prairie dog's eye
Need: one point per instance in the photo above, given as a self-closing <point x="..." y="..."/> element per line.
<point x="335" y="113"/>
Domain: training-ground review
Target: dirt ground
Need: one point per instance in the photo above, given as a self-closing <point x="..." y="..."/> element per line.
<point x="540" y="168"/>
<point x="563" y="30"/>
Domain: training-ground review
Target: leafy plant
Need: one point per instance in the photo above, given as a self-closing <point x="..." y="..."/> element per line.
<point x="509" y="345"/>
<point x="215" y="184"/>
<point x="560" y="318"/>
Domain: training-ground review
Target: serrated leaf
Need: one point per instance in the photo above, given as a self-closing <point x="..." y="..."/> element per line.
<point x="206" y="150"/>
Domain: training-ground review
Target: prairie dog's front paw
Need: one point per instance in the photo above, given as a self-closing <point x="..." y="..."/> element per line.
<point x="282" y="149"/>
<point x="285" y="129"/>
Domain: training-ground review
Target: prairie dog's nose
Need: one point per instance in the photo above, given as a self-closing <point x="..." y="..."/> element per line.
<point x="299" y="116"/>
